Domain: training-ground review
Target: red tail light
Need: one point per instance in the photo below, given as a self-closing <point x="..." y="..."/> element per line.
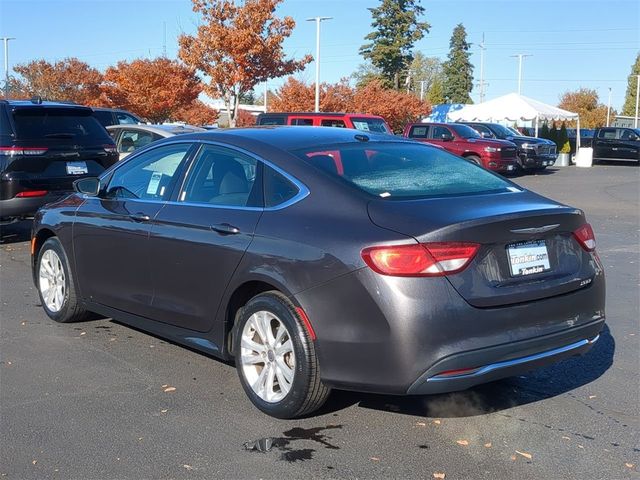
<point x="585" y="237"/>
<point x="23" y="151"/>
<point x="420" y="260"/>
<point x="32" y="193"/>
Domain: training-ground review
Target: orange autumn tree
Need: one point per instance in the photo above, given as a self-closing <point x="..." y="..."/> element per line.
<point x="297" y="96"/>
<point x="155" y="89"/>
<point x="69" y="80"/>
<point x="197" y="113"/>
<point x="238" y="46"/>
<point x="397" y="108"/>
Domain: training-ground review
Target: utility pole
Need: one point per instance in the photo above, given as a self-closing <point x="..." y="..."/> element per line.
<point x="164" y="40"/>
<point x="422" y="89"/>
<point x="318" y="20"/>
<point x="482" y="83"/>
<point x="609" y="107"/>
<point x="520" y="56"/>
<point x="6" y="66"/>
<point x="635" y="121"/>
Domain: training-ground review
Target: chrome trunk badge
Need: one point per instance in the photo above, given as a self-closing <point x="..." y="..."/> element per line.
<point x="542" y="229"/>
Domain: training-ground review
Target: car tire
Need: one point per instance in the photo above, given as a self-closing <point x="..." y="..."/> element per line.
<point x="55" y="284"/>
<point x="475" y="159"/>
<point x="278" y="369"/>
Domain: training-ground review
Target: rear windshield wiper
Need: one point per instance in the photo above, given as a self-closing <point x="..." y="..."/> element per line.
<point x="60" y="135"/>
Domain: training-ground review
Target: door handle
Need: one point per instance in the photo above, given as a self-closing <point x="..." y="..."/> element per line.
<point x="139" y="217"/>
<point x="225" y="229"/>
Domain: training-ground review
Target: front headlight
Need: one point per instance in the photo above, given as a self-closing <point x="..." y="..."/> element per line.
<point x="491" y="149"/>
<point x="529" y="146"/>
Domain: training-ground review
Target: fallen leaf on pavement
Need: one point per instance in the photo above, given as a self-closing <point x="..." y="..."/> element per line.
<point x="165" y="385"/>
<point x="437" y="422"/>
<point x="566" y="438"/>
<point x="438" y="475"/>
<point x="187" y="467"/>
<point x="591" y="396"/>
<point x="375" y="459"/>
<point x="524" y="454"/>
<point x="23" y="323"/>
<point x="421" y="424"/>
<point x="164" y="410"/>
<point x="34" y="461"/>
<point x="169" y="389"/>
<point x="488" y="444"/>
<point x="580" y="446"/>
<point x="464" y="443"/>
<point x="83" y="333"/>
<point x="513" y="457"/>
<point x="628" y="465"/>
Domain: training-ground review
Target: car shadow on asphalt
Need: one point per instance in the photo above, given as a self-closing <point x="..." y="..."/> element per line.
<point x="551" y="381"/>
<point x="15" y="232"/>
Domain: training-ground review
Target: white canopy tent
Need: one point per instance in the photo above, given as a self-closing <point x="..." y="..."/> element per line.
<point x="513" y="107"/>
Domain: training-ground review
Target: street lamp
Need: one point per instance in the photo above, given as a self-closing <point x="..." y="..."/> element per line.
<point x="318" y="20"/>
<point x="520" y="56"/>
<point x="635" y="120"/>
<point x="6" y="65"/>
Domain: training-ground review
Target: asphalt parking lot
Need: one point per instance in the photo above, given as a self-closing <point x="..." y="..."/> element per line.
<point x="101" y="400"/>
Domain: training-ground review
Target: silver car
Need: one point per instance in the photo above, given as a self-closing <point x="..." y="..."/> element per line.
<point x="129" y="138"/>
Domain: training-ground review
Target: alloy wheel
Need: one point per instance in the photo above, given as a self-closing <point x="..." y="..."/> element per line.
<point x="52" y="281"/>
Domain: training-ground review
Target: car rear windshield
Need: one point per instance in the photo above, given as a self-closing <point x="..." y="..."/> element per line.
<point x="62" y="126"/>
<point x="403" y="170"/>
<point x="370" y="125"/>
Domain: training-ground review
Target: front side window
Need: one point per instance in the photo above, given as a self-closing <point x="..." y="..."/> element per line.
<point x="131" y="140"/>
<point x="607" y="133"/>
<point x="223" y="177"/>
<point x="482" y="130"/>
<point x="465" y="131"/>
<point x="149" y="175"/>
<point x="439" y="132"/>
<point x="629" y="134"/>
<point x="397" y="171"/>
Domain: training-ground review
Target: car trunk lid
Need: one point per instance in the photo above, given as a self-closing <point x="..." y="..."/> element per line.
<point x="527" y="251"/>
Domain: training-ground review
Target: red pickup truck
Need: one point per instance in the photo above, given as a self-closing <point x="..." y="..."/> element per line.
<point x="497" y="155"/>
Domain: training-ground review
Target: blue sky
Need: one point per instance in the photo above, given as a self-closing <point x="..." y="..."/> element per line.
<point x="574" y="43"/>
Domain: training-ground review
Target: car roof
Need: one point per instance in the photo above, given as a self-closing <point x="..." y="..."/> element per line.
<point x="290" y="137"/>
<point x="323" y="114"/>
<point x="164" y="130"/>
<point x="43" y="104"/>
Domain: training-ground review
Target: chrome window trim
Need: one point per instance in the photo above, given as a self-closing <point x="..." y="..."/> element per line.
<point x="303" y="191"/>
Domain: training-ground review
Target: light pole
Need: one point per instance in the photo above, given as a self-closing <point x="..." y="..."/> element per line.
<point x="6" y="65"/>
<point x="609" y="107"/>
<point x="520" y="56"/>
<point x="318" y="20"/>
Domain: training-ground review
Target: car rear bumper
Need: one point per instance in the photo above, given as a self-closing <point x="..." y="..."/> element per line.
<point x="392" y="335"/>
<point x="18" y="207"/>
<point x="495" y="362"/>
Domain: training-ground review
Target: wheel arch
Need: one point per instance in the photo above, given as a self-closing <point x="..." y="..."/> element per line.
<point x="37" y="241"/>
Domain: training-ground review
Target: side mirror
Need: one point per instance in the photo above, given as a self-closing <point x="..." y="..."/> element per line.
<point x="88" y="186"/>
<point x="446" y="137"/>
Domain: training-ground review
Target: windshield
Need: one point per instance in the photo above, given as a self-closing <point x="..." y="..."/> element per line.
<point x="403" y="170"/>
<point x="370" y="125"/>
<point x="465" y="131"/>
<point x="503" y="132"/>
<point x="515" y="132"/>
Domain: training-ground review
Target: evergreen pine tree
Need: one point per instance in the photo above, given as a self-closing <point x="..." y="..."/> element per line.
<point x="629" y="107"/>
<point x="395" y="29"/>
<point x="458" y="71"/>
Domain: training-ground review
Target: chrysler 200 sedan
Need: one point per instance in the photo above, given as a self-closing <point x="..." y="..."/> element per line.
<point x="321" y="258"/>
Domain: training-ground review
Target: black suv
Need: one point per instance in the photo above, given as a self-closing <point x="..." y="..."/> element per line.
<point x="533" y="153"/>
<point x="616" y="143"/>
<point x="44" y="147"/>
<point x="115" y="116"/>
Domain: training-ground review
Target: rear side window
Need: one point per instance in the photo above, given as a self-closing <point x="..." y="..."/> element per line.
<point x="222" y="177"/>
<point x="406" y="170"/>
<point x="61" y="126"/>
<point x="105" y="117"/>
<point x="272" y="120"/>
<point x="608" y="133"/>
<point x="277" y="189"/>
<point x="418" y="132"/>
<point x="375" y="125"/>
<point x="330" y="122"/>
<point x="302" y="121"/>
